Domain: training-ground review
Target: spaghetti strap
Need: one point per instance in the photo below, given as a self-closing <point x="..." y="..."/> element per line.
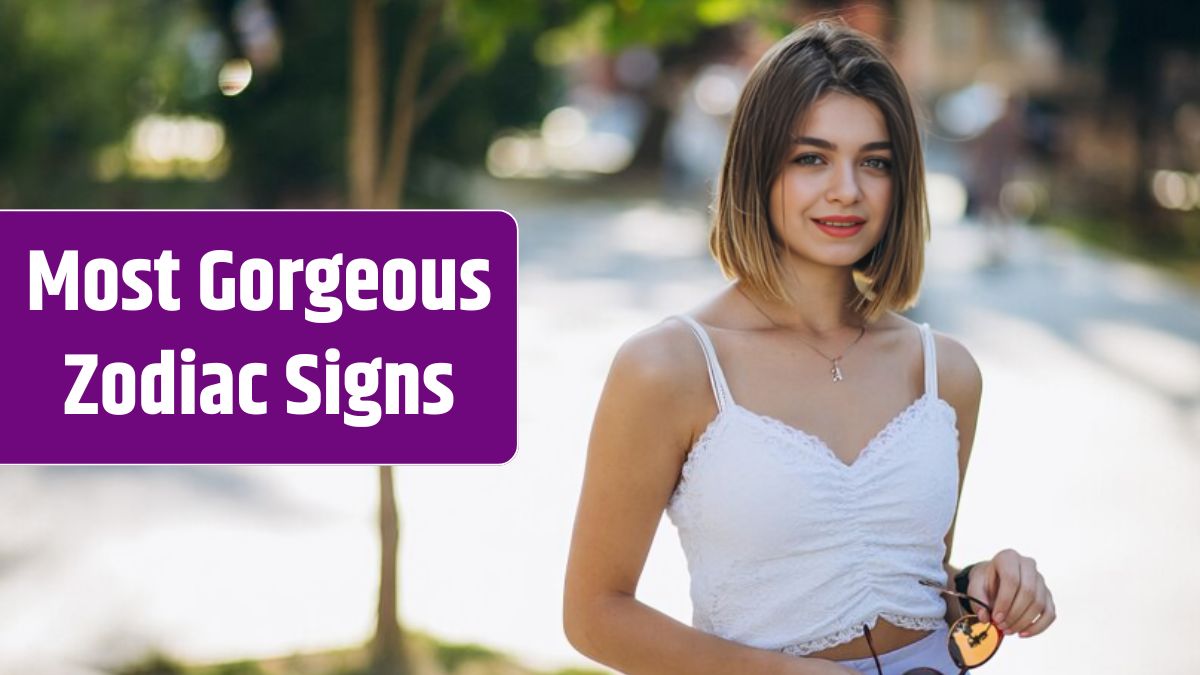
<point x="931" y="385"/>
<point x="715" y="376"/>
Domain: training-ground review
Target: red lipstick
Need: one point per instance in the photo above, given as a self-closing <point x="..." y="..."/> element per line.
<point x="840" y="225"/>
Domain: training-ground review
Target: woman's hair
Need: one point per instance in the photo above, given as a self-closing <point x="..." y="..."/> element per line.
<point x="820" y="58"/>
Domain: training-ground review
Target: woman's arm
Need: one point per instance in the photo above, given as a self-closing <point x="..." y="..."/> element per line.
<point x="1009" y="582"/>
<point x="645" y="422"/>
<point x="960" y="384"/>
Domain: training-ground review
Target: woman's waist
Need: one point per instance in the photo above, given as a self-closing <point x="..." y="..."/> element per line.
<point x="885" y="635"/>
<point x="819" y="591"/>
<point x="804" y="621"/>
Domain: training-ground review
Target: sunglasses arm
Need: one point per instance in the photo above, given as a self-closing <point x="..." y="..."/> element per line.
<point x="956" y="594"/>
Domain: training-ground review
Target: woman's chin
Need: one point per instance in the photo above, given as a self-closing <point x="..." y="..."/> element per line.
<point x="836" y="261"/>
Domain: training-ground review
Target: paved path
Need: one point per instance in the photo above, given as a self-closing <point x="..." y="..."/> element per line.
<point x="1087" y="458"/>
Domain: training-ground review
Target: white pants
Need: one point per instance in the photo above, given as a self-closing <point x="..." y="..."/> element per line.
<point x="928" y="652"/>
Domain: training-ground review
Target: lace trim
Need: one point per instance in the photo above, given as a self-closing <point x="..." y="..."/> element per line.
<point x="780" y="430"/>
<point x="699" y="449"/>
<point x="896" y="428"/>
<point x="848" y="634"/>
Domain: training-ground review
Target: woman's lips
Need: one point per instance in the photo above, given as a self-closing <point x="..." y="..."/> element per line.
<point x="839" y="232"/>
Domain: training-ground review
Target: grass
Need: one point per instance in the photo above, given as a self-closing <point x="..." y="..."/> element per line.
<point x="429" y="656"/>
<point x="1174" y="245"/>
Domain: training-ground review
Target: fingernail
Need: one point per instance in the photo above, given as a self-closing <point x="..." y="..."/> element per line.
<point x="999" y="616"/>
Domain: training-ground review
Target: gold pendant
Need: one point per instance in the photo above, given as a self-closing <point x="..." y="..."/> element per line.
<point x="837" y="372"/>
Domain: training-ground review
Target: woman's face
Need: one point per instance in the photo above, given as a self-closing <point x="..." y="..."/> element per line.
<point x="832" y="199"/>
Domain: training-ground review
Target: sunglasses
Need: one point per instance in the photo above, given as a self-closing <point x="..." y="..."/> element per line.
<point x="972" y="642"/>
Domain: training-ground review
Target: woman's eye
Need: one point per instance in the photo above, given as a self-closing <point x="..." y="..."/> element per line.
<point x="879" y="163"/>
<point x="808" y="160"/>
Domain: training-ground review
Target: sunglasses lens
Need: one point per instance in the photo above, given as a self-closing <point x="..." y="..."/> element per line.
<point x="972" y="641"/>
<point x="922" y="671"/>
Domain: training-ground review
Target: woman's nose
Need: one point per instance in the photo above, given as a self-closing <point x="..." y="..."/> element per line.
<point x="843" y="187"/>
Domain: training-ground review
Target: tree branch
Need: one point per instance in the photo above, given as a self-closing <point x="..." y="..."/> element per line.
<point x="416" y="47"/>
<point x="446" y="81"/>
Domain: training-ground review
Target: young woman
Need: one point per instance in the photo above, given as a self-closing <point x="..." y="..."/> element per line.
<point x="808" y="442"/>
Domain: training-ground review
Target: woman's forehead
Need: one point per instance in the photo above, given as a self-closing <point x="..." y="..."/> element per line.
<point x="843" y="120"/>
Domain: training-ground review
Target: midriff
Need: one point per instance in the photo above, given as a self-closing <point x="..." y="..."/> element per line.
<point x="887" y="637"/>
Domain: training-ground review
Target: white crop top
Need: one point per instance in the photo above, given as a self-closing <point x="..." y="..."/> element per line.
<point x="791" y="549"/>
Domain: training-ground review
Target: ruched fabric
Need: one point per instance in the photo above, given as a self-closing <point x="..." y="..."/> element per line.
<point x="791" y="549"/>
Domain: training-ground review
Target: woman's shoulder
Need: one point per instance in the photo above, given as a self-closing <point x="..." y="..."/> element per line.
<point x="960" y="381"/>
<point x="958" y="375"/>
<point x="957" y="370"/>
<point x="672" y="347"/>
<point x="665" y="359"/>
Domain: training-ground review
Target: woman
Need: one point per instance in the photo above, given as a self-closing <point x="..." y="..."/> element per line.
<point x="765" y="422"/>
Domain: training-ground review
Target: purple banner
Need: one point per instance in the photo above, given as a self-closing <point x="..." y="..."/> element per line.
<point x="259" y="337"/>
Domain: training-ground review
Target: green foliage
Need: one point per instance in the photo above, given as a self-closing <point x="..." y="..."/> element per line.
<point x="1173" y="245"/>
<point x="153" y="664"/>
<point x="287" y="130"/>
<point x="483" y="26"/>
<point x="159" y="664"/>
<point x="624" y="23"/>
<point x="451" y="656"/>
<point x="76" y="75"/>
<point x="236" y="668"/>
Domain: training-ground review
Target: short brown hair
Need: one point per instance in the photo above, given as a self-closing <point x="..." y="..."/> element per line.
<point x="822" y="57"/>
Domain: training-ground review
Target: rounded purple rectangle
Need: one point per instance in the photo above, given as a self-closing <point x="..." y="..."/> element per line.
<point x="463" y="411"/>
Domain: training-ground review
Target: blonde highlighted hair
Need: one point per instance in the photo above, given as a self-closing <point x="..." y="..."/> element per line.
<point x="820" y="58"/>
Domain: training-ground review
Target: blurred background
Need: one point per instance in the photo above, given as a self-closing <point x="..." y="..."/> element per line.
<point x="1063" y="153"/>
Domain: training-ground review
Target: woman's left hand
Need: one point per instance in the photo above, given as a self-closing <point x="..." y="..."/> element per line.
<point x="1011" y="584"/>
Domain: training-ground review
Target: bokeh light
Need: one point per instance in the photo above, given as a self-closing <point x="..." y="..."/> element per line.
<point x="235" y="76"/>
<point x="947" y="198"/>
<point x="1175" y="190"/>
<point x="717" y="90"/>
<point x="162" y="146"/>
<point x="564" y="127"/>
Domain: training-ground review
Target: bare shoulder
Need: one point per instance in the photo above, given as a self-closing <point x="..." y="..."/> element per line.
<point x="663" y="366"/>
<point x="663" y="356"/>
<point x="668" y="354"/>
<point x="960" y="381"/>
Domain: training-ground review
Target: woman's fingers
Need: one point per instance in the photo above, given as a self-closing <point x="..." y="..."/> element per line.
<point x="1022" y="622"/>
<point x="1006" y="573"/>
<point x="1021" y="602"/>
<point x="1043" y="622"/>
<point x="979" y="586"/>
<point x="1025" y="605"/>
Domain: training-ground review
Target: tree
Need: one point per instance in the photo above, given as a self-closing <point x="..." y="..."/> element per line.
<point x="377" y="163"/>
<point x="69" y="87"/>
<point x="1130" y="42"/>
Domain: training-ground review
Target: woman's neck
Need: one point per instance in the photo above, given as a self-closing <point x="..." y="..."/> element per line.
<point x="820" y="306"/>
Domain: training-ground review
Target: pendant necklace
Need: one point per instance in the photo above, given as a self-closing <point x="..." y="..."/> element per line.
<point x="835" y="362"/>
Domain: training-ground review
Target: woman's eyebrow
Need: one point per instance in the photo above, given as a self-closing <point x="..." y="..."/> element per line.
<point x="822" y="143"/>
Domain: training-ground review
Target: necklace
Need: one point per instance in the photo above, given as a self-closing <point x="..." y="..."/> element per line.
<point x="835" y="362"/>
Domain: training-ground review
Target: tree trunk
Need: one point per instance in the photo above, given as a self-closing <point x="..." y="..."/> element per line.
<point x="388" y="656"/>
<point x="372" y="185"/>
<point x="362" y="147"/>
